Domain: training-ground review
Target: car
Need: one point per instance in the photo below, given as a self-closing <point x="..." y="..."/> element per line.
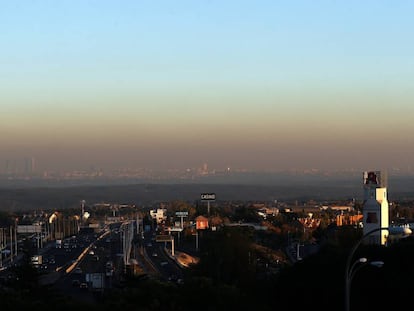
<point x="154" y="254"/>
<point x="76" y="282"/>
<point x="83" y="285"/>
<point x="77" y="270"/>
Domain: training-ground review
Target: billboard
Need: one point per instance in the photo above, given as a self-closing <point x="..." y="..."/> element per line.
<point x="208" y="196"/>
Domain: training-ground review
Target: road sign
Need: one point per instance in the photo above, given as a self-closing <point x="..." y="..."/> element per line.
<point x="208" y="196"/>
<point x="163" y="238"/>
<point x="181" y="214"/>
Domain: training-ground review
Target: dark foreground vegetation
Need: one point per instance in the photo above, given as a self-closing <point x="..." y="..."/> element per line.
<point x="228" y="278"/>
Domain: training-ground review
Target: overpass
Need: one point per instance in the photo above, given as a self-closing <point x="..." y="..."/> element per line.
<point x="247" y="224"/>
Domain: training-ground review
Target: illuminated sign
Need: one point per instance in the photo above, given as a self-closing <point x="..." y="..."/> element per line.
<point x="201" y="223"/>
<point x="208" y="196"/>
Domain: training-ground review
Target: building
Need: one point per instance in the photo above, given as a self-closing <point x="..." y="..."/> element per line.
<point x="159" y="214"/>
<point x="375" y="206"/>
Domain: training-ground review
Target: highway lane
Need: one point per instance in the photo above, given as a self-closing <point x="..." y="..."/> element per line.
<point x="70" y="267"/>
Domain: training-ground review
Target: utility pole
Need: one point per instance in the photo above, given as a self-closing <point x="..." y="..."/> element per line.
<point x="1" y="247"/>
<point x="11" y="244"/>
<point x="196" y="239"/>
<point x="15" y="238"/>
<point x="82" y="211"/>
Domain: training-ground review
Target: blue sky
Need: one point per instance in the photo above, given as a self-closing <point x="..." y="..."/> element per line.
<point x="174" y="84"/>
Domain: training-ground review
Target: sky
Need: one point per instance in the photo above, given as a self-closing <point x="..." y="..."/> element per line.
<point x="260" y="85"/>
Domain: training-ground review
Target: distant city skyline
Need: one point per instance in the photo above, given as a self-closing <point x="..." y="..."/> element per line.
<point x="260" y="85"/>
<point x="28" y="166"/>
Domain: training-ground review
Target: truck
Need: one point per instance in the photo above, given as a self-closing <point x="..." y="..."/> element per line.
<point x="36" y="260"/>
<point x="96" y="281"/>
<point x="58" y="243"/>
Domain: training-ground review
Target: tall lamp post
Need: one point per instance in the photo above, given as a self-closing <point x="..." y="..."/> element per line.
<point x="358" y="264"/>
<point x="350" y="269"/>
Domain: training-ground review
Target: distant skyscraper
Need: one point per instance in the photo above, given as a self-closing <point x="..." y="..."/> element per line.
<point x="11" y="167"/>
<point x="204" y="169"/>
<point x="29" y="165"/>
<point x="33" y="165"/>
<point x="375" y="206"/>
<point x="7" y="167"/>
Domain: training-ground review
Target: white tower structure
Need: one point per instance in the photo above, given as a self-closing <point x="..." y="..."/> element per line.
<point x="375" y="206"/>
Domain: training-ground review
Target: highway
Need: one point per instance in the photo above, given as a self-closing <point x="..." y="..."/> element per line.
<point x="86" y="265"/>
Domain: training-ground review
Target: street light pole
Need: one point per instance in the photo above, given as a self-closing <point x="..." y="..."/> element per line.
<point x="348" y="277"/>
<point x="358" y="264"/>
<point x="348" y="268"/>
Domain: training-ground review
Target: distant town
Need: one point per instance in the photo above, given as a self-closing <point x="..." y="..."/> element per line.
<point x="93" y="246"/>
